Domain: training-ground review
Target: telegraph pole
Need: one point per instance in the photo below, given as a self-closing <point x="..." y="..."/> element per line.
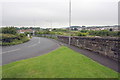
<point x="51" y="24"/>
<point x="69" y="20"/>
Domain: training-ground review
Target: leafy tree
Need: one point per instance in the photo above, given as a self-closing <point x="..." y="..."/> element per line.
<point x="84" y="31"/>
<point x="9" y="30"/>
<point x="82" y="34"/>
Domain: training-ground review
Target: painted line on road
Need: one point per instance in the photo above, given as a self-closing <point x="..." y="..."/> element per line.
<point x="39" y="40"/>
<point x="35" y="44"/>
<point x="32" y="45"/>
<point x="20" y="49"/>
<point x="11" y="51"/>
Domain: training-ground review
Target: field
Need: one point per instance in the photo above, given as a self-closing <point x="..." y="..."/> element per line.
<point x="60" y="63"/>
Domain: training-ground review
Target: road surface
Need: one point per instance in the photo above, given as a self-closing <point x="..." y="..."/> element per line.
<point x="35" y="47"/>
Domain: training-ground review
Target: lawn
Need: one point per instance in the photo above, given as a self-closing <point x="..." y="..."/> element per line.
<point x="60" y="63"/>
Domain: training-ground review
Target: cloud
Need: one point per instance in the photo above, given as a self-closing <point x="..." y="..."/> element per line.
<point x="46" y="12"/>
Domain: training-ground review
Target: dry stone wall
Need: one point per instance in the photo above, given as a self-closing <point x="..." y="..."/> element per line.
<point x="106" y="46"/>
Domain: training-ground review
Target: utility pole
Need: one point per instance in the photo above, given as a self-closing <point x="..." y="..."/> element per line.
<point x="34" y="27"/>
<point x="69" y="20"/>
<point x="51" y="24"/>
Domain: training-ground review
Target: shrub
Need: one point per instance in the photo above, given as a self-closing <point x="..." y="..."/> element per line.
<point x="84" y="31"/>
<point x="82" y="34"/>
<point x="105" y="33"/>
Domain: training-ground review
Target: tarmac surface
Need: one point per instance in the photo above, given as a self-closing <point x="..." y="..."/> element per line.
<point x="35" y="47"/>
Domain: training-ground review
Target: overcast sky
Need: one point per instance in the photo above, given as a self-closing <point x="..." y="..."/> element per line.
<point x="55" y="13"/>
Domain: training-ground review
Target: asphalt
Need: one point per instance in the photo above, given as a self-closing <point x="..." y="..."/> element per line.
<point x="35" y="47"/>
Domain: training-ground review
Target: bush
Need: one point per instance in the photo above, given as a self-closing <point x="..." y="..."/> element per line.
<point x="84" y="31"/>
<point x="105" y="33"/>
<point x="82" y="34"/>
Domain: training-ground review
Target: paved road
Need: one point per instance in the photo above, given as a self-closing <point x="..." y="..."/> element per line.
<point x="35" y="47"/>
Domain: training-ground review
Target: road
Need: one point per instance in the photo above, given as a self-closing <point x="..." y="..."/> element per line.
<point x="35" y="47"/>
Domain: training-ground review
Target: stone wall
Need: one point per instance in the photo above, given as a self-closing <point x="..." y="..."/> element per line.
<point x="106" y="46"/>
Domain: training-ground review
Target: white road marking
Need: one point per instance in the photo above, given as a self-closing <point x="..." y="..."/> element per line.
<point x="19" y="49"/>
<point x="39" y="40"/>
<point x="11" y="51"/>
<point x="35" y="44"/>
<point x="32" y="45"/>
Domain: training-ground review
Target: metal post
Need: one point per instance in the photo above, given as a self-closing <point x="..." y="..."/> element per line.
<point x="51" y="25"/>
<point x="69" y="20"/>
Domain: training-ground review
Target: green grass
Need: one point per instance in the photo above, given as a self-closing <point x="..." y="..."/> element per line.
<point x="61" y="63"/>
<point x="15" y="42"/>
<point x="10" y="39"/>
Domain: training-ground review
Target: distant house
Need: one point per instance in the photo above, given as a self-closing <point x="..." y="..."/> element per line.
<point x="25" y="30"/>
<point x="75" y="28"/>
<point x="97" y="28"/>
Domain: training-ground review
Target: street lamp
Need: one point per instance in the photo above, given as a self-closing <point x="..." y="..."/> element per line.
<point x="69" y="20"/>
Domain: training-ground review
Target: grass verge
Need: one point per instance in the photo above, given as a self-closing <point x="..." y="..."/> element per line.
<point x="61" y="63"/>
<point x="15" y="42"/>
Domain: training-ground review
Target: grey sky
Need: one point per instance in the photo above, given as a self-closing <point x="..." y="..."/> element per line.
<point x="47" y="13"/>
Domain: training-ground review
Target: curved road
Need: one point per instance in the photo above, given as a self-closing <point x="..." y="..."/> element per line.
<point x="35" y="47"/>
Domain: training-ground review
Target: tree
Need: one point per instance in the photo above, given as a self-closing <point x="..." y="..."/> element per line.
<point x="84" y="31"/>
<point x="9" y="30"/>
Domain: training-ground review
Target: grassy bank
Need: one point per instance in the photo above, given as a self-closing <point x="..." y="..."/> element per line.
<point x="9" y="39"/>
<point x="61" y="63"/>
<point x="15" y="42"/>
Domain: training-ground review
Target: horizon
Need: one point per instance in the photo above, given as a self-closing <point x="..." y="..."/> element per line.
<point x="63" y="26"/>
